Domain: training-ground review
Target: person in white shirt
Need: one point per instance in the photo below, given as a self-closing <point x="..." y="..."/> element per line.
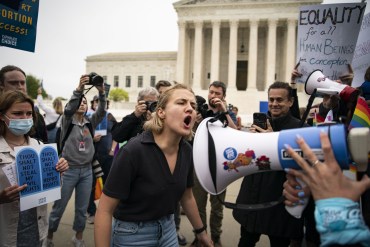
<point x="52" y="115"/>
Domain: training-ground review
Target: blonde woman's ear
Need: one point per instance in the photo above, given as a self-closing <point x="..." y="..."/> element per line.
<point x="161" y="113"/>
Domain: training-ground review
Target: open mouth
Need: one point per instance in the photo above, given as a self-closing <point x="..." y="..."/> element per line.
<point x="187" y="120"/>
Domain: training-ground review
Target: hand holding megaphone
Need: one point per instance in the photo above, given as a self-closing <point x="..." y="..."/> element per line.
<point x="325" y="179"/>
<point x="222" y="155"/>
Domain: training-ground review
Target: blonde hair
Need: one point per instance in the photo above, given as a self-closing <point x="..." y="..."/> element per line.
<point x="156" y="124"/>
<point x="58" y="106"/>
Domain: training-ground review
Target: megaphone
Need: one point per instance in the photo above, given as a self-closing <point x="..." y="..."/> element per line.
<point x="222" y="155"/>
<point x="317" y="80"/>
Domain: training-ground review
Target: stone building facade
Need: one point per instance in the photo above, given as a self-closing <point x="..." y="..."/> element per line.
<point x="248" y="44"/>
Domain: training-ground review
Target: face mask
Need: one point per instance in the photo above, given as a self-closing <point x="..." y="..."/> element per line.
<point x="20" y="126"/>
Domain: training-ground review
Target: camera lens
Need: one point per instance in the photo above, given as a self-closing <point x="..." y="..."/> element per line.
<point x="151" y="105"/>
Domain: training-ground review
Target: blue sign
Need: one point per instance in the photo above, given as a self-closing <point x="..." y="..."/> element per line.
<point x="50" y="176"/>
<point x="18" y="24"/>
<point x="29" y="171"/>
<point x="264" y="106"/>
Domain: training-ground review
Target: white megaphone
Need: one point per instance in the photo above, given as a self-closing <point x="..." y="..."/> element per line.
<point x="317" y="80"/>
<point x="222" y="155"/>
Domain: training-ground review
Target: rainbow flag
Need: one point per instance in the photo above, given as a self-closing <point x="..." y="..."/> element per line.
<point x="361" y="115"/>
<point x="98" y="188"/>
<point x="317" y="119"/>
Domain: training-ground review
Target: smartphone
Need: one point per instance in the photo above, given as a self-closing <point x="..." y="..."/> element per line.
<point x="260" y="119"/>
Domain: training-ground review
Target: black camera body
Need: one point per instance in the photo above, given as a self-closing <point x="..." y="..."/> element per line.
<point x="230" y="107"/>
<point x="151" y="105"/>
<point x="203" y="107"/>
<point x="95" y="79"/>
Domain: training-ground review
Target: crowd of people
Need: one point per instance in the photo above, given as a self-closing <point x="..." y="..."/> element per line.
<point x="151" y="178"/>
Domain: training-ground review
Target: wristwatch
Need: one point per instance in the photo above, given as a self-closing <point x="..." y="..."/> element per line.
<point x="200" y="230"/>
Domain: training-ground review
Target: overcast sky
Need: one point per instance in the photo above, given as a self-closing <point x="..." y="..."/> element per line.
<point x="70" y="30"/>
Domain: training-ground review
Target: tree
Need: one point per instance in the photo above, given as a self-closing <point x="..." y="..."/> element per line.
<point x="118" y="94"/>
<point x="32" y="85"/>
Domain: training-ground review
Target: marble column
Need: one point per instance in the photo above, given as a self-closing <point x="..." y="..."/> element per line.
<point x="252" y="58"/>
<point x="198" y="55"/>
<point x="215" y="53"/>
<point x="271" y="52"/>
<point x="290" y="48"/>
<point x="233" y="52"/>
<point x="180" y="66"/>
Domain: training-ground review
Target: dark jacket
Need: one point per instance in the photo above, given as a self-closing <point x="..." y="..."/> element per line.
<point x="266" y="187"/>
<point x="40" y="129"/>
<point x="129" y="127"/>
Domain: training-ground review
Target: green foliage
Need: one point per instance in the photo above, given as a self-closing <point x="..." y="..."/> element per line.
<point x="118" y="94"/>
<point x="32" y="85"/>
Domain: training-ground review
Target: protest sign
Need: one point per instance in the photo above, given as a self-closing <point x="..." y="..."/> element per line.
<point x="18" y="24"/>
<point x="35" y="166"/>
<point x="361" y="58"/>
<point x="327" y="36"/>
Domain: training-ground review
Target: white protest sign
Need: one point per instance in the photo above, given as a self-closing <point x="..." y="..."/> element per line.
<point x="35" y="167"/>
<point x="327" y="36"/>
<point x="361" y="58"/>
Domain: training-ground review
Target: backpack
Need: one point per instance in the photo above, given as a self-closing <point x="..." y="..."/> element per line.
<point x="52" y="125"/>
<point x="60" y="143"/>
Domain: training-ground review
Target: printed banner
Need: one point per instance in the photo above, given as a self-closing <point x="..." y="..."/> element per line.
<point x="327" y="36"/>
<point x="35" y="166"/>
<point x="18" y="24"/>
<point x="361" y="58"/>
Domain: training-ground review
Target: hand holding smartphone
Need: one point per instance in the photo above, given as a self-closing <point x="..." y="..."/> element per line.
<point x="260" y="119"/>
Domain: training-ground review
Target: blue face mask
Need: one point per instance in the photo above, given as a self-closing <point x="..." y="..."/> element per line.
<point x="20" y="126"/>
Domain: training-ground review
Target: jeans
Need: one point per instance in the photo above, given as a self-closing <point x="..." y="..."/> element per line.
<point x="79" y="179"/>
<point x="156" y="233"/>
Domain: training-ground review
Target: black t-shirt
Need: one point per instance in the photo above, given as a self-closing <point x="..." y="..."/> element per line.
<point x="140" y="177"/>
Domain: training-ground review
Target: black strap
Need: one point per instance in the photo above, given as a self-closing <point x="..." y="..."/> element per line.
<point x="212" y="157"/>
<point x="212" y="162"/>
<point x="308" y="108"/>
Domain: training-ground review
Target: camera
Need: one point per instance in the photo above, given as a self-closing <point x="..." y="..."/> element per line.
<point x="151" y="105"/>
<point x="95" y="79"/>
<point x="202" y="107"/>
<point x="230" y="107"/>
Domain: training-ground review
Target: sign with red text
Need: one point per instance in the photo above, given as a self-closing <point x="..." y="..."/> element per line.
<point x="327" y="36"/>
<point x="361" y="58"/>
<point x="18" y="24"/>
<point x="35" y="166"/>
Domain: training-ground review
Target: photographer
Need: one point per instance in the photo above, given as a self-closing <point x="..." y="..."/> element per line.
<point x="132" y="124"/>
<point x="77" y="135"/>
<point x="217" y="107"/>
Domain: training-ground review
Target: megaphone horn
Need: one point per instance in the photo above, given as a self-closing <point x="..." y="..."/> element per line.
<point x="317" y="80"/>
<point x="235" y="154"/>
